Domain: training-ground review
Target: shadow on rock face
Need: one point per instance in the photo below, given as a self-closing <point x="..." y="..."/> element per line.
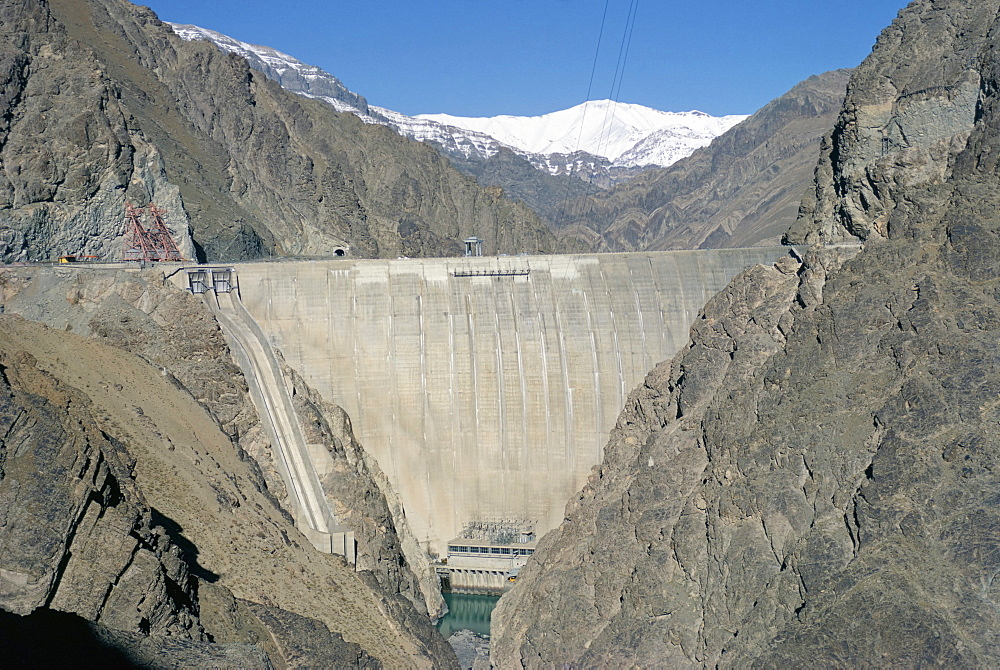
<point x="189" y="552"/>
<point x="50" y="639"/>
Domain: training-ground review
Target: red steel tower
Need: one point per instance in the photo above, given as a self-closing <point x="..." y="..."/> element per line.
<point x="151" y="242"/>
<point x="161" y="237"/>
<point x="138" y="246"/>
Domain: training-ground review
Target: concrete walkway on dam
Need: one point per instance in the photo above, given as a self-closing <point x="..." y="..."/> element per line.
<point x="485" y="387"/>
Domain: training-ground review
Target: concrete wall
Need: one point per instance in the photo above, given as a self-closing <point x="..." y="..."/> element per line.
<point x="485" y="396"/>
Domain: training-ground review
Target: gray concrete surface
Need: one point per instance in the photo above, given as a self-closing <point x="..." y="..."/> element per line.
<point x="489" y="396"/>
<point x="270" y="395"/>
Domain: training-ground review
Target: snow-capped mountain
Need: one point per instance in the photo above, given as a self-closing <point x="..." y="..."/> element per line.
<point x="603" y="128"/>
<point x="292" y="74"/>
<point x="590" y="139"/>
<point x="452" y="140"/>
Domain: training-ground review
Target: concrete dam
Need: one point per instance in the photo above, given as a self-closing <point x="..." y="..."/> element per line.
<point x="485" y="387"/>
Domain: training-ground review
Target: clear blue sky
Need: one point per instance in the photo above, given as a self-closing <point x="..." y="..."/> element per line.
<point x="529" y="57"/>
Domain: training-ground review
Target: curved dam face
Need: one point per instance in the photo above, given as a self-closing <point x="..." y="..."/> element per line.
<point x="485" y="387"/>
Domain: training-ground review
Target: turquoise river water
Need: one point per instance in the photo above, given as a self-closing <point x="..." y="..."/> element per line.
<point x="467" y="611"/>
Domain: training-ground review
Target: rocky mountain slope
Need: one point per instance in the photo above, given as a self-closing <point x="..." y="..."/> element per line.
<point x="742" y="190"/>
<point x="88" y="570"/>
<point x="292" y="74"/>
<point x="812" y="481"/>
<point x="540" y="160"/>
<point x="173" y="523"/>
<point x="624" y="135"/>
<point x="102" y="103"/>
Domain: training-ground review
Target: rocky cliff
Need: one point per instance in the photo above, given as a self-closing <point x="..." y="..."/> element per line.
<point x="201" y="469"/>
<point x="167" y="328"/>
<point x="80" y="538"/>
<point x="812" y="481"/>
<point x="742" y="190"/>
<point x="910" y="110"/>
<point x="102" y="103"/>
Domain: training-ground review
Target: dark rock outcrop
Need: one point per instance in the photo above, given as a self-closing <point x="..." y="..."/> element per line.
<point x="77" y="535"/>
<point x="51" y="639"/>
<point x="102" y="102"/>
<point x="812" y="481"/>
<point x="307" y="643"/>
<point x="88" y="574"/>
<point x="742" y="190"/>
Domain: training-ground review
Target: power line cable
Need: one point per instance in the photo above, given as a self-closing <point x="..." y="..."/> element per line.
<point x="626" y="43"/>
<point x="583" y="118"/>
<point x="628" y="47"/>
<point x="593" y="71"/>
<point x="616" y="82"/>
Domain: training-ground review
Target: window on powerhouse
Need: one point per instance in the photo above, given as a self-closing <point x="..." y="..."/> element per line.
<point x="501" y="551"/>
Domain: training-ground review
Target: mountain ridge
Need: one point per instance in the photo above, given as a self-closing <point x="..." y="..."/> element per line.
<point x="104" y="105"/>
<point x="742" y="190"/>
<point x="566" y="131"/>
<point x="614" y="146"/>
